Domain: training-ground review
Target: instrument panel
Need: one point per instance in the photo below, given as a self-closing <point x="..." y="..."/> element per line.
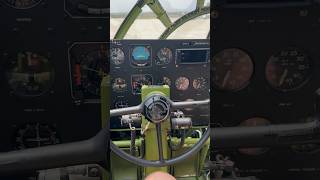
<point x="181" y="64"/>
<point x="51" y="64"/>
<point x="267" y="72"/>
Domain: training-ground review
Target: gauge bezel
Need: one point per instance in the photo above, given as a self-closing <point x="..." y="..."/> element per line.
<point x="73" y="61"/>
<point x="301" y="85"/>
<point x="132" y="61"/>
<point x="117" y="90"/>
<point x="175" y="83"/>
<point x="265" y="150"/>
<point x="144" y="75"/>
<point x="170" y="59"/>
<point x="24" y="8"/>
<point x="244" y="85"/>
<point x="201" y="88"/>
<point x="124" y="56"/>
<point x="52" y="80"/>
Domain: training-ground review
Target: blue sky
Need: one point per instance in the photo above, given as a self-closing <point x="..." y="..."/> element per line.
<point x="123" y="6"/>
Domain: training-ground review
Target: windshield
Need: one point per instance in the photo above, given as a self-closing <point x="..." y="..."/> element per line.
<point x="148" y="26"/>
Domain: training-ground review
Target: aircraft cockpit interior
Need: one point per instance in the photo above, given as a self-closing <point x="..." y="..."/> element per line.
<point x="265" y="81"/>
<point x="82" y="100"/>
<point x="179" y="71"/>
<point x="160" y="90"/>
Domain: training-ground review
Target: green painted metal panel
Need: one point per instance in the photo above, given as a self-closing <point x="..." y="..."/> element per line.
<point x="151" y="145"/>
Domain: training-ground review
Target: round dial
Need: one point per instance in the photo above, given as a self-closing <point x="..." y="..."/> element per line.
<point x="137" y="81"/>
<point x="164" y="56"/>
<point x="199" y="83"/>
<point x="232" y="69"/>
<point x="119" y="85"/>
<point x="22" y="4"/>
<point x="93" y="67"/>
<point x="30" y="74"/>
<point x="182" y="83"/>
<point x="36" y="135"/>
<point x="141" y="56"/>
<point x="117" y="56"/>
<point x="257" y="121"/>
<point x="165" y="81"/>
<point x="288" y="70"/>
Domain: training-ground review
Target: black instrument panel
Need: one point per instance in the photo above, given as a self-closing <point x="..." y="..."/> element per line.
<point x="181" y="64"/>
<point x="40" y="44"/>
<point x="267" y="72"/>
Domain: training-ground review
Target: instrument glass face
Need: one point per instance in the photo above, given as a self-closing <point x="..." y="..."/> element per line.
<point x="22" y="4"/>
<point x="232" y="69"/>
<point x="254" y="122"/>
<point x="165" y="81"/>
<point x="30" y="74"/>
<point x="89" y="64"/>
<point x="138" y="81"/>
<point x="164" y="56"/>
<point x="182" y="83"/>
<point x="117" y="56"/>
<point x="288" y="70"/>
<point x="141" y="56"/>
<point x="119" y="85"/>
<point x="199" y="83"/>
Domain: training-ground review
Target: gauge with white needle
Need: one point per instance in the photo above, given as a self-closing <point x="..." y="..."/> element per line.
<point x="288" y="70"/>
<point x="231" y="69"/>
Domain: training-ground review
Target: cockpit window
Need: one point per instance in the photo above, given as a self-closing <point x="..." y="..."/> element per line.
<point x="148" y="26"/>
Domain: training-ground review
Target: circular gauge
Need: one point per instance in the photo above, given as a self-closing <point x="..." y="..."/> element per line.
<point x="93" y="66"/>
<point x="119" y="85"/>
<point x="30" y="74"/>
<point x="165" y="81"/>
<point x="232" y="69"/>
<point x="137" y="81"/>
<point x="257" y="121"/>
<point x="164" y="56"/>
<point x="288" y="70"/>
<point x="182" y="83"/>
<point x="117" y="56"/>
<point x="121" y="104"/>
<point x="199" y="83"/>
<point x="35" y="135"/>
<point x="22" y="4"/>
<point x="141" y="56"/>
